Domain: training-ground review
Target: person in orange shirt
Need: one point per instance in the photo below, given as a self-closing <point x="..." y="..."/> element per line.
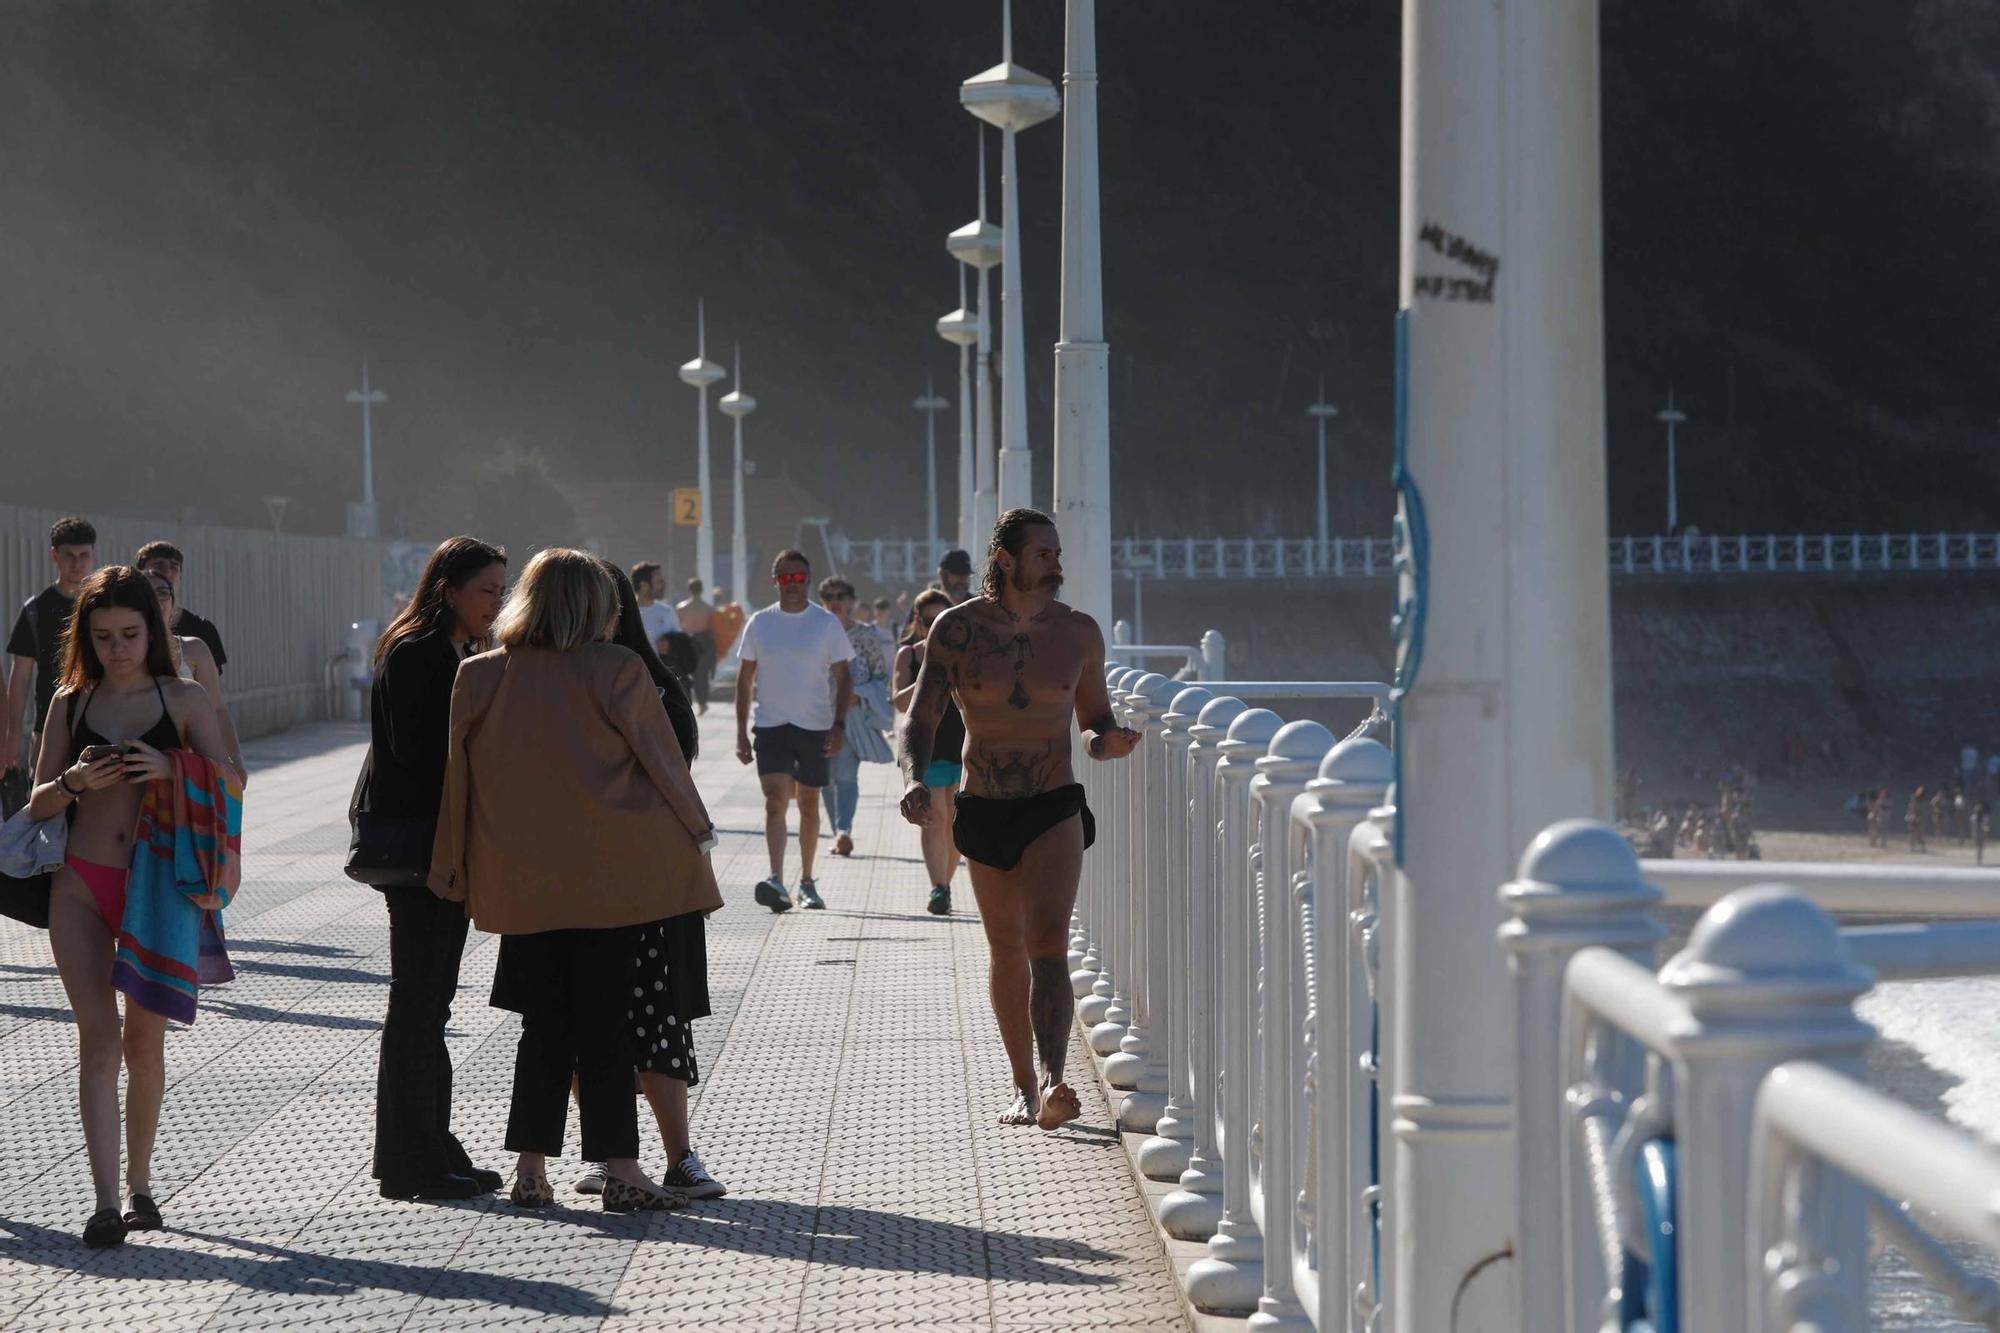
<point x="726" y="623"/>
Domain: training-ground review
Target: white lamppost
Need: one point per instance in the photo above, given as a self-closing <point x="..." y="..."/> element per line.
<point x="978" y="243"/>
<point x="961" y="329"/>
<point x="930" y="405"/>
<point x="1673" y="417"/>
<point x="736" y="405"/>
<point x="1013" y="99"/>
<point x="1322" y="412"/>
<point x="702" y="372"/>
<point x="361" y="518"/>
<point x="1083" y="359"/>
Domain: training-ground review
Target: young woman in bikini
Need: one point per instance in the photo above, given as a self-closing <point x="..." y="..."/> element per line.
<point x="119" y="708"/>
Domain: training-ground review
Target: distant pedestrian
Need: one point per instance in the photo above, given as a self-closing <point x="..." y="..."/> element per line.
<point x="867" y="719"/>
<point x="788" y="652"/>
<point x="394" y="817"/>
<point x="697" y="622"/>
<point x="570" y="827"/>
<point x="649" y="585"/>
<point x="36" y="646"/>
<point x="946" y="769"/>
<point x="1913" y="820"/>
<point x="194" y="661"/>
<point x="954" y="576"/>
<point x="163" y="557"/>
<point x="727" y="623"/>
<point x="1982" y="824"/>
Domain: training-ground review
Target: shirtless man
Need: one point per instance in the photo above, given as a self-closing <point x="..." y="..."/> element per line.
<point x="695" y="615"/>
<point x="1020" y="664"/>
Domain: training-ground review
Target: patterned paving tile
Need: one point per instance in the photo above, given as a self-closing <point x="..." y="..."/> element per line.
<point x="850" y="1078"/>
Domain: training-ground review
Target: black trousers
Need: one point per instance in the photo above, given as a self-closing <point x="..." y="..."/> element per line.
<point x="575" y="986"/>
<point x="413" y="1137"/>
<point x="704" y="666"/>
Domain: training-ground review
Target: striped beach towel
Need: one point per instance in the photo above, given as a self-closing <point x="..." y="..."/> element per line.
<point x="188" y="843"/>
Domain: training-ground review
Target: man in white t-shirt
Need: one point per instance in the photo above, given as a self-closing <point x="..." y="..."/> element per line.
<point x="655" y="614"/>
<point x="787" y="654"/>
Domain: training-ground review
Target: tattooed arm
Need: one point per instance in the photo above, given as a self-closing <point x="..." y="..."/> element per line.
<point x="932" y="692"/>
<point x="1103" y="738"/>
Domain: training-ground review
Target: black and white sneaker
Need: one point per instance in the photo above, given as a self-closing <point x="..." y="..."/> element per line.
<point x="592" y="1180"/>
<point x="771" y="893"/>
<point x="940" y="903"/>
<point x="809" y="894"/>
<point x="691" y="1178"/>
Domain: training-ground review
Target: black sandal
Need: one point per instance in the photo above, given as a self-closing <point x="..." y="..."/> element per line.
<point x="143" y="1215"/>
<point x="104" y="1229"/>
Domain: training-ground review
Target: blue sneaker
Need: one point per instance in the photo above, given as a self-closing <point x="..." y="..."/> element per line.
<point x="809" y="894"/>
<point x="771" y="893"/>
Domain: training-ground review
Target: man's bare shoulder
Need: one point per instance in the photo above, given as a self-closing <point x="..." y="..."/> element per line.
<point x="956" y="626"/>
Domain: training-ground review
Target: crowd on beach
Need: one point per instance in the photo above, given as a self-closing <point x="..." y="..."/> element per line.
<point x="528" y="775"/>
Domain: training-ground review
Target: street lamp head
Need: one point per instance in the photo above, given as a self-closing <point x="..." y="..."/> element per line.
<point x="1010" y="97"/>
<point x="931" y="402"/>
<point x="1324" y="411"/>
<point x="977" y="243"/>
<point x="737" y="403"/>
<point x="701" y="372"/>
<point x="960" y="327"/>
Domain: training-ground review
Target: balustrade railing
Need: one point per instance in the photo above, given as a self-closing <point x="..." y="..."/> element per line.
<point x="905" y="560"/>
<point x="1673" y="1167"/>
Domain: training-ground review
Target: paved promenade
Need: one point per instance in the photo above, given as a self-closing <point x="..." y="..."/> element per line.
<point x="850" y="1078"/>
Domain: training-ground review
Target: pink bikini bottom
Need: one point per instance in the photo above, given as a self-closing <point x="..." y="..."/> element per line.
<point x="106" y="885"/>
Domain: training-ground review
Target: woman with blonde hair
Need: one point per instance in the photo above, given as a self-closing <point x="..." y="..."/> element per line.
<point x="569" y="824"/>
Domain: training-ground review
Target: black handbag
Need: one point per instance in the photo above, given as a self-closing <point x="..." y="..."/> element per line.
<point x="387" y="851"/>
<point x="14" y="791"/>
<point x="27" y="900"/>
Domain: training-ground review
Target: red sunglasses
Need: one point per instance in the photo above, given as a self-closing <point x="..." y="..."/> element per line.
<point x="787" y="580"/>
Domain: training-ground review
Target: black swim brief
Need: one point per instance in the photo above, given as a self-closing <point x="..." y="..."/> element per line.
<point x="994" y="831"/>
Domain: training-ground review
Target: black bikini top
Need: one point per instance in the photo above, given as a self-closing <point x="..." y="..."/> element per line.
<point x="162" y="735"/>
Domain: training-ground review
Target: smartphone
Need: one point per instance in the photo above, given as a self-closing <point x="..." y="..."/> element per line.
<point x="92" y="753"/>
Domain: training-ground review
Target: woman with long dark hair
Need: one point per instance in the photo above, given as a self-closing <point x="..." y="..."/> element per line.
<point x="670" y="983"/>
<point x="396" y="799"/>
<point x="945" y="772"/>
<point x="120" y="706"/>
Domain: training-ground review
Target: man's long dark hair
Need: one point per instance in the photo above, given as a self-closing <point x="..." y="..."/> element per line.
<point x="455" y="563"/>
<point x="631" y="633"/>
<point x="1010" y="534"/>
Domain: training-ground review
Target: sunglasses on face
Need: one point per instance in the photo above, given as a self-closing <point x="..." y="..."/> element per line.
<point x="788" y="580"/>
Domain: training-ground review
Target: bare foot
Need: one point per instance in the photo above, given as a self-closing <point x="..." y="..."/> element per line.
<point x="1022" y="1112"/>
<point x="1059" y="1107"/>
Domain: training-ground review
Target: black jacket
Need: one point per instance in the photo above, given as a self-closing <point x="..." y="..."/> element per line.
<point x="409" y="719"/>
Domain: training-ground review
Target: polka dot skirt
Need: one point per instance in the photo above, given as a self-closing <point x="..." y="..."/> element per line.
<point x="661" y="1039"/>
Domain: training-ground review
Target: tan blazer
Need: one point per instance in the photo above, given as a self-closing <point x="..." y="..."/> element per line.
<point x="567" y="804"/>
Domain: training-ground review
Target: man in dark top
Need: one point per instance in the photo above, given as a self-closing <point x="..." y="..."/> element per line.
<point x="35" y="648"/>
<point x="165" y="559"/>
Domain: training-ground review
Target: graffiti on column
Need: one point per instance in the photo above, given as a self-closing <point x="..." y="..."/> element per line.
<point x="1450" y="245"/>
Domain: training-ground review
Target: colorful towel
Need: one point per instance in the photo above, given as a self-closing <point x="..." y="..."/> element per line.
<point x="188" y="843"/>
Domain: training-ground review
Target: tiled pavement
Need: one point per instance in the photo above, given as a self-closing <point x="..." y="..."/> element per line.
<point x="850" y="1076"/>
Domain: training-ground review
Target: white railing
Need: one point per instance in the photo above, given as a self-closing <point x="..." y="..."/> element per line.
<point x="1692" y="1145"/>
<point x="904" y="561"/>
<point x="282" y="602"/>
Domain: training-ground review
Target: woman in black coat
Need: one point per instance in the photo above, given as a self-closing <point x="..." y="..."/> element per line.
<point x="402" y="780"/>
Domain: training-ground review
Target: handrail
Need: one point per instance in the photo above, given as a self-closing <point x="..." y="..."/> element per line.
<point x="1844" y="890"/>
<point x="1914" y="952"/>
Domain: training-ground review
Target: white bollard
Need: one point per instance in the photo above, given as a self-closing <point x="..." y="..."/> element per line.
<point x="1148" y="1037"/>
<point x="1214" y="656"/>
<point x="1353" y="779"/>
<point x="1127" y="1068"/>
<point x="1766" y="978"/>
<point x="1579" y="886"/>
<point x="1192" y="1212"/>
<point x="1272" y="923"/>
<point x="1231" y="1279"/>
<point x="1165" y="1156"/>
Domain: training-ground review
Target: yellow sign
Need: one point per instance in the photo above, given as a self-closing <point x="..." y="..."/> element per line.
<point x="687" y="507"/>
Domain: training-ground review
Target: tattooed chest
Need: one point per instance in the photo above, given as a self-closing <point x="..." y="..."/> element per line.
<point x="1022" y="665"/>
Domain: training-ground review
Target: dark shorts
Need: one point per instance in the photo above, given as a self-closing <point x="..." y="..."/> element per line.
<point x="793" y="751"/>
<point x="995" y="832"/>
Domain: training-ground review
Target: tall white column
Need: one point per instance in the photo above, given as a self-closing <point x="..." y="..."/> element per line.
<point x="930" y="405"/>
<point x="961" y="329"/>
<point x="1083" y="358"/>
<point x="1504" y="646"/>
<point x="978" y="244"/>
<point x="362" y="518"/>
<point x="737" y="405"/>
<point x="1013" y="99"/>
<point x="702" y="372"/>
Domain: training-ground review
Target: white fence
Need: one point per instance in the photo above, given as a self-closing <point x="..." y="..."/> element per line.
<point x="890" y="561"/>
<point x="1693" y="1146"/>
<point x="282" y="603"/>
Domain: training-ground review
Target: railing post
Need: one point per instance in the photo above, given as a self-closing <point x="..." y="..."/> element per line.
<point x="1116" y="987"/>
<point x="1090" y="1009"/>
<point x="1579" y="886"/>
<point x="1766" y="978"/>
<point x="1192" y="1212"/>
<point x="1231" y="1279"/>
<point x="1353" y="779"/>
<point x="1274" y="922"/>
<point x="1098" y="870"/>
<point x="1139" y="1113"/>
<point x="1165" y="1156"/>
<point x="1214" y="656"/>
